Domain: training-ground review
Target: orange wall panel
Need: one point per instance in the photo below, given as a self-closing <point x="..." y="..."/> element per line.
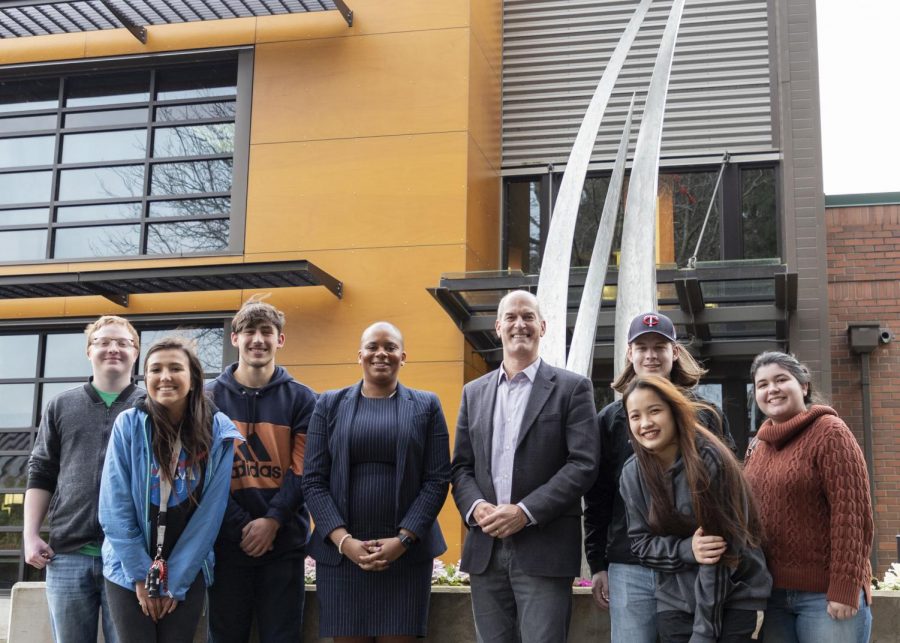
<point x="486" y="26"/>
<point x="175" y="37"/>
<point x="49" y="307"/>
<point x="379" y="283"/>
<point x="369" y="192"/>
<point x="484" y="105"/>
<point x="483" y="213"/>
<point x="391" y="84"/>
<point x="42" y="48"/>
<point x="369" y="17"/>
<point x="156" y="304"/>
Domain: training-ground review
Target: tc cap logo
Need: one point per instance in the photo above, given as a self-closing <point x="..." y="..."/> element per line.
<point x="651" y="320"/>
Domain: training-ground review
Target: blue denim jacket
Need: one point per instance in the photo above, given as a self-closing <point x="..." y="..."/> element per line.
<point x="124" y="506"/>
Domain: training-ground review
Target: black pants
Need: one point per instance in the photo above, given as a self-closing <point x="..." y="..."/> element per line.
<point x="676" y="627"/>
<point x="134" y="627"/>
<point x="273" y="593"/>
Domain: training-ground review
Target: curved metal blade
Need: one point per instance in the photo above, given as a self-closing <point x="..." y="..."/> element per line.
<point x="636" y="291"/>
<point x="581" y="352"/>
<point x="553" y="283"/>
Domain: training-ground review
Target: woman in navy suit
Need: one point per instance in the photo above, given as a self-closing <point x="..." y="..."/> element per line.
<point x="376" y="474"/>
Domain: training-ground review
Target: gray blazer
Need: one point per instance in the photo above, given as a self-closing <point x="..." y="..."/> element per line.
<point x="555" y="463"/>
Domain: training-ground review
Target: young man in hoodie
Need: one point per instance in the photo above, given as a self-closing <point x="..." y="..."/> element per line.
<point x="261" y="546"/>
<point x="65" y="466"/>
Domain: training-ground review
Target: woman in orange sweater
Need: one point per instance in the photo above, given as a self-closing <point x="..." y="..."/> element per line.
<point x="809" y="477"/>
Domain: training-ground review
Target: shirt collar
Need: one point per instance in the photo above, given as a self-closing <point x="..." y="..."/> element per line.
<point x="530" y="372"/>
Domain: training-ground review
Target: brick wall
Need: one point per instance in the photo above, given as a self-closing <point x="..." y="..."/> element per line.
<point x="863" y="251"/>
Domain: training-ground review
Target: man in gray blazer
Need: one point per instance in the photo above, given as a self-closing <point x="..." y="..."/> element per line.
<point x="527" y="448"/>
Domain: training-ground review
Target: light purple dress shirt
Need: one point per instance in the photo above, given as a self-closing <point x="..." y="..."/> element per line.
<point x="509" y="409"/>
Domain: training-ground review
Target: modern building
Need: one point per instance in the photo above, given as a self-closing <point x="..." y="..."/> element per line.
<point x="165" y="159"/>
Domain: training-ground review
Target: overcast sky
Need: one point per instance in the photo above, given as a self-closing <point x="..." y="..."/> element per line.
<point x="859" y="77"/>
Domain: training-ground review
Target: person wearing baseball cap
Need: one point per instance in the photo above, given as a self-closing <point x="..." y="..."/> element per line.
<point x="620" y="583"/>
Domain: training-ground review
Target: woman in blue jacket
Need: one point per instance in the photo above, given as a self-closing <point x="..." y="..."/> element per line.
<point x="162" y="497"/>
<point x="375" y="477"/>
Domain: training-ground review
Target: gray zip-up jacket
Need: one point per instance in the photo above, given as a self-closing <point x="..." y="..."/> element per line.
<point x="681" y="583"/>
<point x="67" y="461"/>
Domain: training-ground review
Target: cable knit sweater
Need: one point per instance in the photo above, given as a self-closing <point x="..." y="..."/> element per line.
<point x="811" y="485"/>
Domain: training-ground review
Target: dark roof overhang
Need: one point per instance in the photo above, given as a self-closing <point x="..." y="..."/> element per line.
<point x="117" y="285"/>
<point x="724" y="309"/>
<point x="20" y="18"/>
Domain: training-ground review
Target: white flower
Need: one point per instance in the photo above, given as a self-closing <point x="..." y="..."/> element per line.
<point x="891" y="578"/>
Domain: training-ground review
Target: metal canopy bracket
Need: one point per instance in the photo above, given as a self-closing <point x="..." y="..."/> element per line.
<point x="346" y="11"/>
<point x="785" y="301"/>
<point x="120" y="299"/>
<point x="137" y="31"/>
<point x="690" y="300"/>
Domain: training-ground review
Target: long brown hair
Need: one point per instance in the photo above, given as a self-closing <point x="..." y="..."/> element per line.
<point x="195" y="427"/>
<point x="724" y="506"/>
<point x="686" y="372"/>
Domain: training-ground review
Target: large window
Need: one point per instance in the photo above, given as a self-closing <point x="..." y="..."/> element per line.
<point x="35" y="365"/>
<point x="119" y="163"/>
<point x="742" y="222"/>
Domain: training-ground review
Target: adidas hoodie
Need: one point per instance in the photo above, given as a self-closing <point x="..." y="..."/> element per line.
<point x="268" y="466"/>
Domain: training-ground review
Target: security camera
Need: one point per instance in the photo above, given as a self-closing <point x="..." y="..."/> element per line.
<point x="885" y="335"/>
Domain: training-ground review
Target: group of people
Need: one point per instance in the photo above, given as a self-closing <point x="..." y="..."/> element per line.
<point x="153" y="497"/>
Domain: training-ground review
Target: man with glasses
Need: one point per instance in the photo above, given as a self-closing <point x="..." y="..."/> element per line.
<point x="64" y="478"/>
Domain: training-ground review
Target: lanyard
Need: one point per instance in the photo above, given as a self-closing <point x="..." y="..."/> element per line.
<point x="165" y="489"/>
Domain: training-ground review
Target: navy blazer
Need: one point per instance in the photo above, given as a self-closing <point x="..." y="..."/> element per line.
<point x="422" y="465"/>
<point x="555" y="463"/>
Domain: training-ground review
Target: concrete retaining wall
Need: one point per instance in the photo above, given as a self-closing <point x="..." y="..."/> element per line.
<point x="450" y="620"/>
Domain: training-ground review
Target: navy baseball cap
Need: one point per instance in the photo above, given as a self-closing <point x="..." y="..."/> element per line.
<point x="651" y="323"/>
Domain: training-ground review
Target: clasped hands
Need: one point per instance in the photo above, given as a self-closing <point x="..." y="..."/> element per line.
<point x="258" y="536"/>
<point x="499" y="521"/>
<point x="373" y="555"/>
<point x="155" y="608"/>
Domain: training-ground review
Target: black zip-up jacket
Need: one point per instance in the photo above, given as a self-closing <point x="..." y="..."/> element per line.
<point x="605" y="523"/>
<point x="67" y="461"/>
<point x="268" y="467"/>
<point x="682" y="584"/>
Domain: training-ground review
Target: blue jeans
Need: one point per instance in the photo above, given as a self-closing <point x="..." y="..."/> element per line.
<point x="632" y="604"/>
<point x="801" y="617"/>
<point x="76" y="595"/>
<point x="511" y="606"/>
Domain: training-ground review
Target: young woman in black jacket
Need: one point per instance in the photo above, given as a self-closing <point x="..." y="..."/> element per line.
<point x="691" y="519"/>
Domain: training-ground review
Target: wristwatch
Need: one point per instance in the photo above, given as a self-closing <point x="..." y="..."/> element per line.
<point x="405" y="540"/>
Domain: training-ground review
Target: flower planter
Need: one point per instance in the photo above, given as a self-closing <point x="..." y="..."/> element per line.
<point x="450" y="616"/>
<point x="885" y="616"/>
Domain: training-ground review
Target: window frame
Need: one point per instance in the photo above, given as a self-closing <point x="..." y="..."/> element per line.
<point x="731" y="237"/>
<point x="240" y="156"/>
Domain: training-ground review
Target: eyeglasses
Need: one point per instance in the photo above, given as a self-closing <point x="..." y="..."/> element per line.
<point x="106" y="342"/>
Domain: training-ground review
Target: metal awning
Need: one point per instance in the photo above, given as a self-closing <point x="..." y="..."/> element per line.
<point x="723" y="309"/>
<point x="20" y="18"/>
<point x="117" y="285"/>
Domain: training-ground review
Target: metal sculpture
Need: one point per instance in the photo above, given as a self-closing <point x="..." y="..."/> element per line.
<point x="581" y="352"/>
<point x="636" y="290"/>
<point x="553" y="283"/>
